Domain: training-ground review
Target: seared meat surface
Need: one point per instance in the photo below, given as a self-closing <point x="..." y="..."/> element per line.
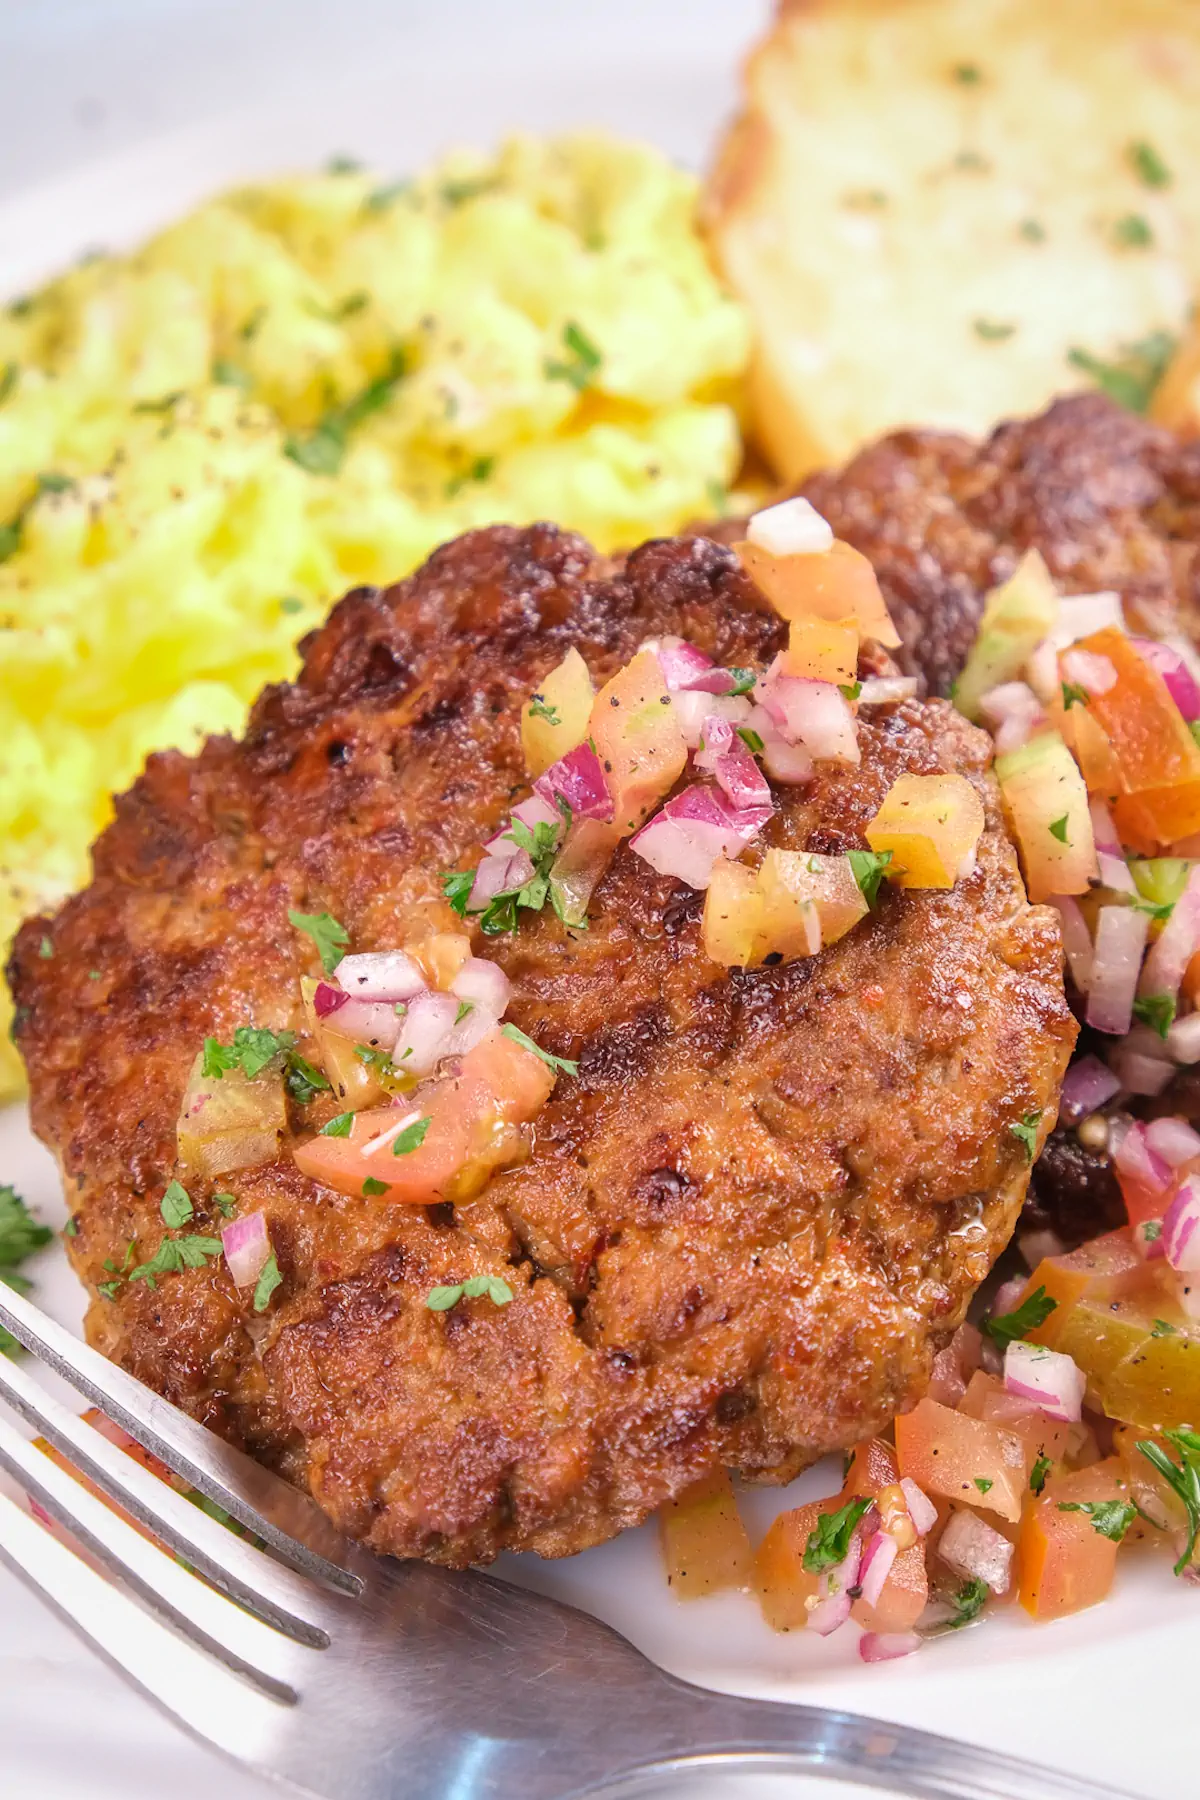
<point x="744" y="1228"/>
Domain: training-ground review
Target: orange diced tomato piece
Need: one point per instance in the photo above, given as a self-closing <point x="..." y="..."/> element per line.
<point x="555" y="717"/>
<point x="1107" y="1268"/>
<point x="931" y="824"/>
<point x="1063" y="1563"/>
<point x="474" y="1119"/>
<point x="1151" y="743"/>
<point x="704" y="1542"/>
<point x="1150" y="821"/>
<point x="637" y="739"/>
<point x="733" y="908"/>
<point x="822" y="650"/>
<point x="833" y="584"/>
<point x="872" y="1467"/>
<point x="904" y="1597"/>
<point x="964" y="1459"/>
<point x="354" y="1083"/>
<point x="785" y="1587"/>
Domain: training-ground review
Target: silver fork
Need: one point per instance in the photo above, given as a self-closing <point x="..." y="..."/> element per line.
<point x="351" y="1677"/>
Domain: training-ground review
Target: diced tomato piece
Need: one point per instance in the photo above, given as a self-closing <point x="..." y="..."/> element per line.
<point x="704" y="1542"/>
<point x="1107" y="1268"/>
<point x="931" y="825"/>
<point x="822" y="650"/>
<point x="1152" y="746"/>
<point x="1151" y="821"/>
<point x="1063" y="1563"/>
<point x="988" y="1399"/>
<point x="637" y="739"/>
<point x="964" y="1459"/>
<point x="784" y="1585"/>
<point x="904" y="1598"/>
<point x="555" y="718"/>
<point x="473" y="1129"/>
<point x="833" y="584"/>
<point x="872" y="1466"/>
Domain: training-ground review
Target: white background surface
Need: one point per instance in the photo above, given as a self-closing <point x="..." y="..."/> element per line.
<point x="111" y="117"/>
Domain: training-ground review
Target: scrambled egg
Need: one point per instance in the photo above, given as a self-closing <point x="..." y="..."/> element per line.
<point x="308" y="385"/>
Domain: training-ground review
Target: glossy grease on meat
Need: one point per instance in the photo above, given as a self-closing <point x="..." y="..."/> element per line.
<point x="745" y="1227"/>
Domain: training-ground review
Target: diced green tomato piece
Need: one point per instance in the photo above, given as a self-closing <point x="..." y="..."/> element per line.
<point x="947" y="1453"/>
<point x="704" y="1542"/>
<point x="554" y="720"/>
<point x="1016" y="617"/>
<point x="1106" y="1268"/>
<point x="1161" y="879"/>
<point x="1157" y="1386"/>
<point x="227" y="1122"/>
<point x="1063" y="1563"/>
<point x="637" y="739"/>
<point x="1047" y="805"/>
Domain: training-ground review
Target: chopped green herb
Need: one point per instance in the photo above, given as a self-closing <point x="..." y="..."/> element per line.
<point x="479" y="470"/>
<point x="381" y="198"/>
<point x="457" y="885"/>
<point x="342" y="165"/>
<point x="454" y="193"/>
<point x="1111" y="1518"/>
<point x="829" y="1540"/>
<point x="983" y="1483"/>
<point x="176" y="1206"/>
<point x="479" y="1287"/>
<point x="8" y="381"/>
<point x="226" y="1204"/>
<point x="341" y="1126"/>
<point x="251" y="1050"/>
<point x="538" y="709"/>
<point x="465" y="1009"/>
<point x="379" y="1061"/>
<point x="585" y="359"/>
<point x="46" y="949"/>
<point x="342" y="309"/>
<point x="20" y="1233"/>
<point x="251" y="327"/>
<point x="302" y="1081"/>
<point x="290" y="604"/>
<point x="411" y="1138"/>
<point x="71" y="1228"/>
<point x="557" y="1063"/>
<point x="1033" y="231"/>
<point x="1194" y="728"/>
<point x="1183" y="1477"/>
<point x="751" y="739"/>
<point x="174" y="1254"/>
<point x="1006" y="1328"/>
<point x="163" y="405"/>
<point x="969" y="74"/>
<point x="322" y="451"/>
<point x="1157" y="1011"/>
<point x="1162" y="1329"/>
<point x="1152" y="1230"/>
<point x="743" y="681"/>
<point x="868" y="867"/>
<point x="326" y="933"/>
<point x="229" y="374"/>
<point x="1058" y="828"/>
<point x="94" y="975"/>
<point x="1073" y="695"/>
<point x="968" y="1602"/>
<point x="850" y="690"/>
<point x="266" y="1284"/>
<point x="718" y="497"/>
<point x="1147" y="164"/>
<point x="993" y="331"/>
<point x="1039" y="1472"/>
<point x="1132" y="232"/>
<point x="1131" y="379"/>
<point x="372" y="1187"/>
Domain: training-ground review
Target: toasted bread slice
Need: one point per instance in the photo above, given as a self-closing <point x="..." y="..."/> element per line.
<point x="930" y="206"/>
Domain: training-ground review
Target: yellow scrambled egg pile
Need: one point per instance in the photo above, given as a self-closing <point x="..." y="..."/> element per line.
<point x="307" y="385"/>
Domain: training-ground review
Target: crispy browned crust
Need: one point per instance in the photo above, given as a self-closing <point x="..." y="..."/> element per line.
<point x="744" y="1228"/>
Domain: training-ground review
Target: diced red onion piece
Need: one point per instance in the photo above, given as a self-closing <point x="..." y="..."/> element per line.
<point x="954" y="1366"/>
<point x="577" y="778"/>
<point x="692" y="709"/>
<point x="426" y="1033"/>
<point x="787" y="763"/>
<point x="376" y="975"/>
<point x="1183" y="1039"/>
<point x="812" y="713"/>
<point x="1138" y="1074"/>
<point x="1181" y="1226"/>
<point x="1174" y="1140"/>
<point x="792" y="528"/>
<point x="834" y="1602"/>
<point x="1181" y="683"/>
<point x="532" y="812"/>
<point x="716" y="740"/>
<point x="1116" y="962"/>
<point x="921" y="1509"/>
<point x="1036" y="1246"/>
<point x="693" y="830"/>
<point x="1094" y="674"/>
<point x="247" y="1245"/>
<point x="1007" y="1295"/>
<point x="1077" y="940"/>
<point x="1011" y="713"/>
<point x="1144" y="1167"/>
<point x="972" y="1547"/>
<point x="887" y="690"/>
<point x="1079" y="615"/>
<point x="681" y="663"/>
<point x="1087" y="1086"/>
<point x="887" y="1646"/>
<point x="1052" y="1380"/>
<point x="498" y="874"/>
<point x="878" y="1557"/>
<point x="1114" y="870"/>
<point x="723" y="754"/>
<point x="1180" y="939"/>
<point x="484" y="984"/>
<point x="372" y="1022"/>
<point x="327" y="999"/>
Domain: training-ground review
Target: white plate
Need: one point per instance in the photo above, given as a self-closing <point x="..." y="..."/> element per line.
<point x="1105" y="1694"/>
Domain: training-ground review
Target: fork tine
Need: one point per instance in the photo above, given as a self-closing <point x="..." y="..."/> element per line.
<point x="273" y="1593"/>
<point x="294" y="1527"/>
<point x="181" y="1677"/>
<point x="208" y="1618"/>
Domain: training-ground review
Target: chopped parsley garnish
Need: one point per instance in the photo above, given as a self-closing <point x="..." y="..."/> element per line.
<point x="326" y="933"/>
<point x="378" y="1061"/>
<point x="302" y="1081"/>
<point x="1194" y="728"/>
<point x="969" y="74"/>
<point x="266" y="1284"/>
<point x="12" y="532"/>
<point x="20" y="1236"/>
<point x="1027" y="1132"/>
<point x="557" y="1063"/>
<point x="290" y="604"/>
<point x="500" y="913"/>
<point x="983" y="1483"/>
<point x="1162" y="1329"/>
<point x="465" y="1009"/>
<point x="829" y="1540"/>
<point x="174" y="1254"/>
<point x="176" y="1206"/>
<point x="1073" y="695"/>
<point x="71" y="1228"/>
<point x="8" y="381"/>
<point x="968" y="1602"/>
<point x="1033" y="231"/>
<point x="868" y="867"/>
<point x="1111" y="1518"/>
<point x="993" y="331"/>
<point x="226" y="1204"/>
<point x="372" y="1187"/>
<point x="1058" y="828"/>
<point x="1151" y="1231"/>
<point x="479" y="470"/>
<point x="539" y="709"/>
<point x="230" y="374"/>
<point x="1131" y="379"/>
<point x="1183" y="1477"/>
<point x="411" y="1138"/>
<point x="380" y="198"/>
<point x="342" y="165"/>
<point x="585" y="359"/>
<point x="454" y="193"/>
<point x="1147" y="164"/>
<point x="1157" y="1011"/>
<point x="251" y="1050"/>
<point x="479" y="1287"/>
<point x="45" y="949"/>
<point x="322" y="451"/>
<point x="165" y="404"/>
<point x="342" y="1126"/>
<point x="743" y="681"/>
<point x="457" y="885"/>
<point x="751" y="739"/>
<point x="1006" y="1328"/>
<point x="1039" y="1472"/>
<point x="1132" y="232"/>
<point x="1154" y="909"/>
<point x="849" y="690"/>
